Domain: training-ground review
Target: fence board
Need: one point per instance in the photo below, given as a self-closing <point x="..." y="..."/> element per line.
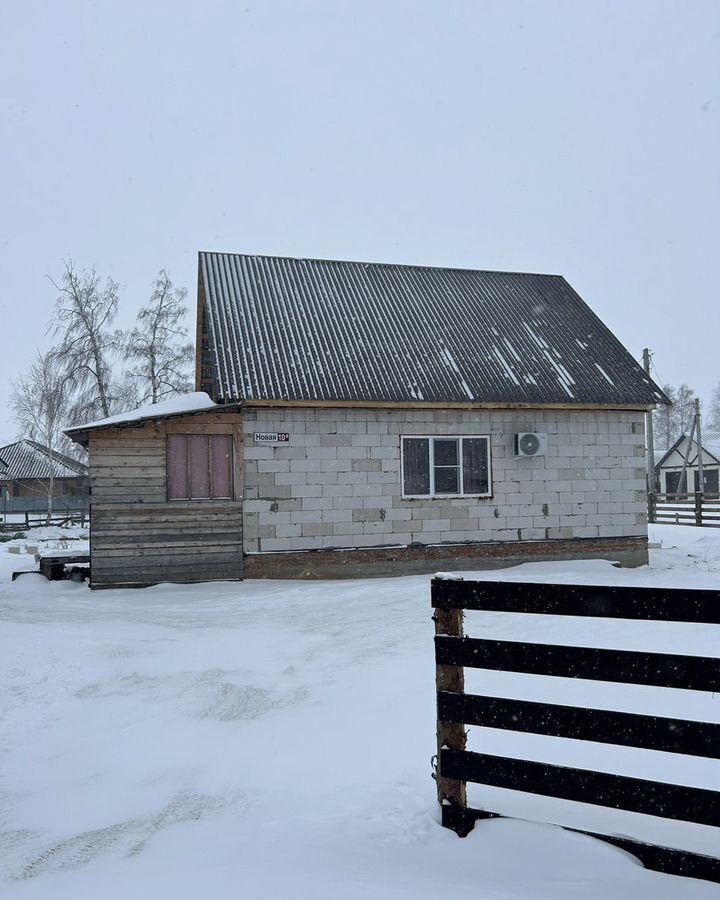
<point x="627" y="666"/>
<point x="580" y="723"/>
<point x="652" y="798"/>
<point x="665" y="604"/>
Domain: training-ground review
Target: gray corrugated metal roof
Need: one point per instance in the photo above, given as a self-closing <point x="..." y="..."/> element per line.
<point x="304" y="329"/>
<point x="711" y="442"/>
<point x="28" y="459"/>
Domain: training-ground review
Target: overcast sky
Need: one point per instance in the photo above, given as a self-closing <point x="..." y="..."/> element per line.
<point x="580" y="138"/>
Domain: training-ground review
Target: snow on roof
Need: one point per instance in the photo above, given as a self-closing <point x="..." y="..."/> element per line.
<point x="182" y="403"/>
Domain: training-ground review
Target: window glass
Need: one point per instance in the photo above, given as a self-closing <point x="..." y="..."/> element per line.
<point x="447" y="480"/>
<point x="475" y="465"/>
<point x="446" y="451"/>
<point x="416" y="466"/>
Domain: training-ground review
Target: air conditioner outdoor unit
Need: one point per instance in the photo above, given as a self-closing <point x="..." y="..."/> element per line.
<point x="530" y="443"/>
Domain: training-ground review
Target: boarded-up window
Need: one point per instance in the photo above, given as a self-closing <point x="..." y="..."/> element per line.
<point x="199" y="467"/>
<point x="446" y="466"/>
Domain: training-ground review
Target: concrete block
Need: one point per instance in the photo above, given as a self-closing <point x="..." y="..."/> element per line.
<point x="288" y="531"/>
<point x="368" y="515"/>
<point x="307" y="490"/>
<point x="586" y="531"/>
<point x="275" y="544"/>
<point x="313" y="529"/>
<point x="335" y="440"/>
<point x="303" y="543"/>
<point x="274" y="465"/>
<point x="532" y="534"/>
<point x="303" y="516"/>
<point x="274" y="518"/>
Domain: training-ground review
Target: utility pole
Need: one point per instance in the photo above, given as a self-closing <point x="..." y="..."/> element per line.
<point x="649" y="433"/>
<point x="701" y="476"/>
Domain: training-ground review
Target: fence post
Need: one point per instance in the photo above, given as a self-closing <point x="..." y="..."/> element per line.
<point x="451" y="792"/>
<point x="652" y="506"/>
<point x="698" y="507"/>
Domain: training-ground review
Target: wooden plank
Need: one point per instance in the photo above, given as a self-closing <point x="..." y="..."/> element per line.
<point x="186" y="538"/>
<point x="162" y="555"/>
<point x="135" y="442"/>
<point x="129" y="457"/>
<point x="160" y="523"/>
<point x="654" y="857"/>
<point x="187" y="531"/>
<point x="176" y="507"/>
<point x="144" y="497"/>
<point x="603" y="726"/>
<point x="429" y="404"/>
<point x="616" y="602"/>
<point x="692" y="673"/>
<point x="115" y="485"/>
<point x="172" y="576"/>
<point x="652" y="798"/>
<point x="222" y="426"/>
<point x="129" y="469"/>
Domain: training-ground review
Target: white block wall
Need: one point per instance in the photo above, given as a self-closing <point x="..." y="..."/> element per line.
<point x="337" y="483"/>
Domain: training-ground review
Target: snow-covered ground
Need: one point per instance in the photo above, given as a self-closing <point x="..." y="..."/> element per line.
<point x="273" y="740"/>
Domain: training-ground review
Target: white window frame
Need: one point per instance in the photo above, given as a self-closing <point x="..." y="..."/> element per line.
<point x="432" y="438"/>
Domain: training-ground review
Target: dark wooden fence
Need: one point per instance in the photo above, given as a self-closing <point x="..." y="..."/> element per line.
<point x="685" y="509"/>
<point x="456" y="709"/>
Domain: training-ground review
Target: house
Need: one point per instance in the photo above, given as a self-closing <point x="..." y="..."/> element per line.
<point x="356" y="419"/>
<point x="28" y="467"/>
<point x="669" y="465"/>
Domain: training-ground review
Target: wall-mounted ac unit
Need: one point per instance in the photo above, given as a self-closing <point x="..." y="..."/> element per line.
<point x="530" y="443"/>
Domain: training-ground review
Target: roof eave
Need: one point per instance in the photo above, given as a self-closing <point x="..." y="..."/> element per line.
<point x="81" y="434"/>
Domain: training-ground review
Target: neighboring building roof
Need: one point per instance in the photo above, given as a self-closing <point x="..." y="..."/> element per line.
<point x="712" y="449"/>
<point x="28" y="459"/>
<point x="307" y="329"/>
<point x="711" y="442"/>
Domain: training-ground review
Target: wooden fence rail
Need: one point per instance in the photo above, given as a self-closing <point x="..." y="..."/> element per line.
<point x="701" y="509"/>
<point x="455" y="709"/>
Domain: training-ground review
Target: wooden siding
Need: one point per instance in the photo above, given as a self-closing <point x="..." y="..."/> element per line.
<point x="137" y="536"/>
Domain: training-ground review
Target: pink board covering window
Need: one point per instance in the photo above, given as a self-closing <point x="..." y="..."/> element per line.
<point x="199" y="467"/>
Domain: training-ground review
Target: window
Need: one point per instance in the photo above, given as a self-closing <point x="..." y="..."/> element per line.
<point x="199" y="466"/>
<point x="710" y="477"/>
<point x="446" y="466"/>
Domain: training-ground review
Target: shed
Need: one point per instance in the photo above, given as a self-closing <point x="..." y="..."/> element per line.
<point x="357" y="419"/>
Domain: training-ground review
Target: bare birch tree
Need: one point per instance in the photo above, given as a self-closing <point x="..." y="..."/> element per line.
<point x="157" y="349"/>
<point x="669" y="422"/>
<point x="40" y="401"/>
<point x="84" y="315"/>
<point x="714" y="417"/>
